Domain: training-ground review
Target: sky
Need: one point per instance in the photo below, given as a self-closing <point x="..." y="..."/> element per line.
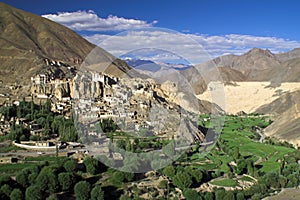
<point x="195" y="30"/>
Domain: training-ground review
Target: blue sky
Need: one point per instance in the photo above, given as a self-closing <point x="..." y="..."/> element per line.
<point x="220" y="26"/>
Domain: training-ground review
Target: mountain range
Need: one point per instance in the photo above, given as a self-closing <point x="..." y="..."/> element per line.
<point x="257" y="82"/>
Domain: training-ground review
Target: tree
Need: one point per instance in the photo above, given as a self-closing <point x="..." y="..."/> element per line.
<point x="128" y="176"/>
<point x="22" y="178"/>
<point x="209" y="196"/>
<point x="236" y="153"/>
<point x="82" y="190"/>
<point x="32" y="178"/>
<point x="229" y="195"/>
<point x="241" y="167"/>
<point x="118" y="177"/>
<point x="5" y="179"/>
<point x="53" y="197"/>
<point x="240" y="196"/>
<point x="66" y="180"/>
<point x="47" y="106"/>
<point x="163" y="184"/>
<point x="169" y="171"/>
<point x="70" y="165"/>
<point x="92" y="166"/>
<point x="47" y="180"/>
<point x="33" y="193"/>
<point x="6" y="189"/>
<point x="256" y="196"/>
<point x="250" y="166"/>
<point x="182" y="180"/>
<point x="16" y="194"/>
<point x="31" y="108"/>
<point x="220" y="193"/>
<point x="271" y="179"/>
<point x="97" y="193"/>
<point x="121" y="144"/>
<point x="196" y="174"/>
<point x="190" y="194"/>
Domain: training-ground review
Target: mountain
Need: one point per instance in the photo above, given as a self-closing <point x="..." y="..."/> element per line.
<point x="255" y="65"/>
<point x="149" y="65"/>
<point x="256" y="82"/>
<point x="286" y="113"/>
<point x="295" y="53"/>
<point x="28" y="40"/>
<point x="253" y="60"/>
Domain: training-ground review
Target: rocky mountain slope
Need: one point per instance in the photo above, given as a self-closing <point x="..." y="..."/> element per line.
<point x="257" y="81"/>
<point x="286" y="113"/>
<point x="28" y="40"/>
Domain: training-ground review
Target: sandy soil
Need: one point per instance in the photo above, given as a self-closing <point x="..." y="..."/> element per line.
<point x="290" y="194"/>
<point x="245" y="96"/>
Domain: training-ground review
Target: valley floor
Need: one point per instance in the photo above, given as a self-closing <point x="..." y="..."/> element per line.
<point x="245" y="96"/>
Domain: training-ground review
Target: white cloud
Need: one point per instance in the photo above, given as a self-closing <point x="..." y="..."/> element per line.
<point x="90" y="21"/>
<point x="195" y="48"/>
<point x="192" y="47"/>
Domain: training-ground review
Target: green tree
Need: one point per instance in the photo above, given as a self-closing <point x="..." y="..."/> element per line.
<point x="82" y="190"/>
<point x="92" y="166"/>
<point x="163" y="184"/>
<point x="16" y="194"/>
<point x="32" y="178"/>
<point x="190" y="194"/>
<point x="118" y="177"/>
<point x="182" y="180"/>
<point x="129" y="146"/>
<point x="240" y="196"/>
<point x="53" y="197"/>
<point x="31" y="108"/>
<point x="220" y="193"/>
<point x="169" y="171"/>
<point x="271" y="179"/>
<point x="22" y="178"/>
<point x="70" y="165"/>
<point x="47" y="106"/>
<point x="256" y="196"/>
<point x="236" y="153"/>
<point x="250" y="166"/>
<point x="66" y="180"/>
<point x="121" y="144"/>
<point x="241" y="167"/>
<point x="97" y="193"/>
<point x="229" y="195"/>
<point x="47" y="180"/>
<point x="195" y="173"/>
<point x="209" y="196"/>
<point x="33" y="193"/>
<point x="6" y="189"/>
<point x="5" y="179"/>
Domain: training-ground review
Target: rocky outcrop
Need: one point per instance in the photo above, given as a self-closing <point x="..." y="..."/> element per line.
<point x="56" y="88"/>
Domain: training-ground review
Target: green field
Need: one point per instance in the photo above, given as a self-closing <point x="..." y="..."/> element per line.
<point x="13" y="168"/>
<point x="225" y="183"/>
<point x="238" y="133"/>
<point x="41" y="158"/>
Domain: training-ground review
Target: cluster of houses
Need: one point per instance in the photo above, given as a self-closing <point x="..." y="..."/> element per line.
<point x="126" y="101"/>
